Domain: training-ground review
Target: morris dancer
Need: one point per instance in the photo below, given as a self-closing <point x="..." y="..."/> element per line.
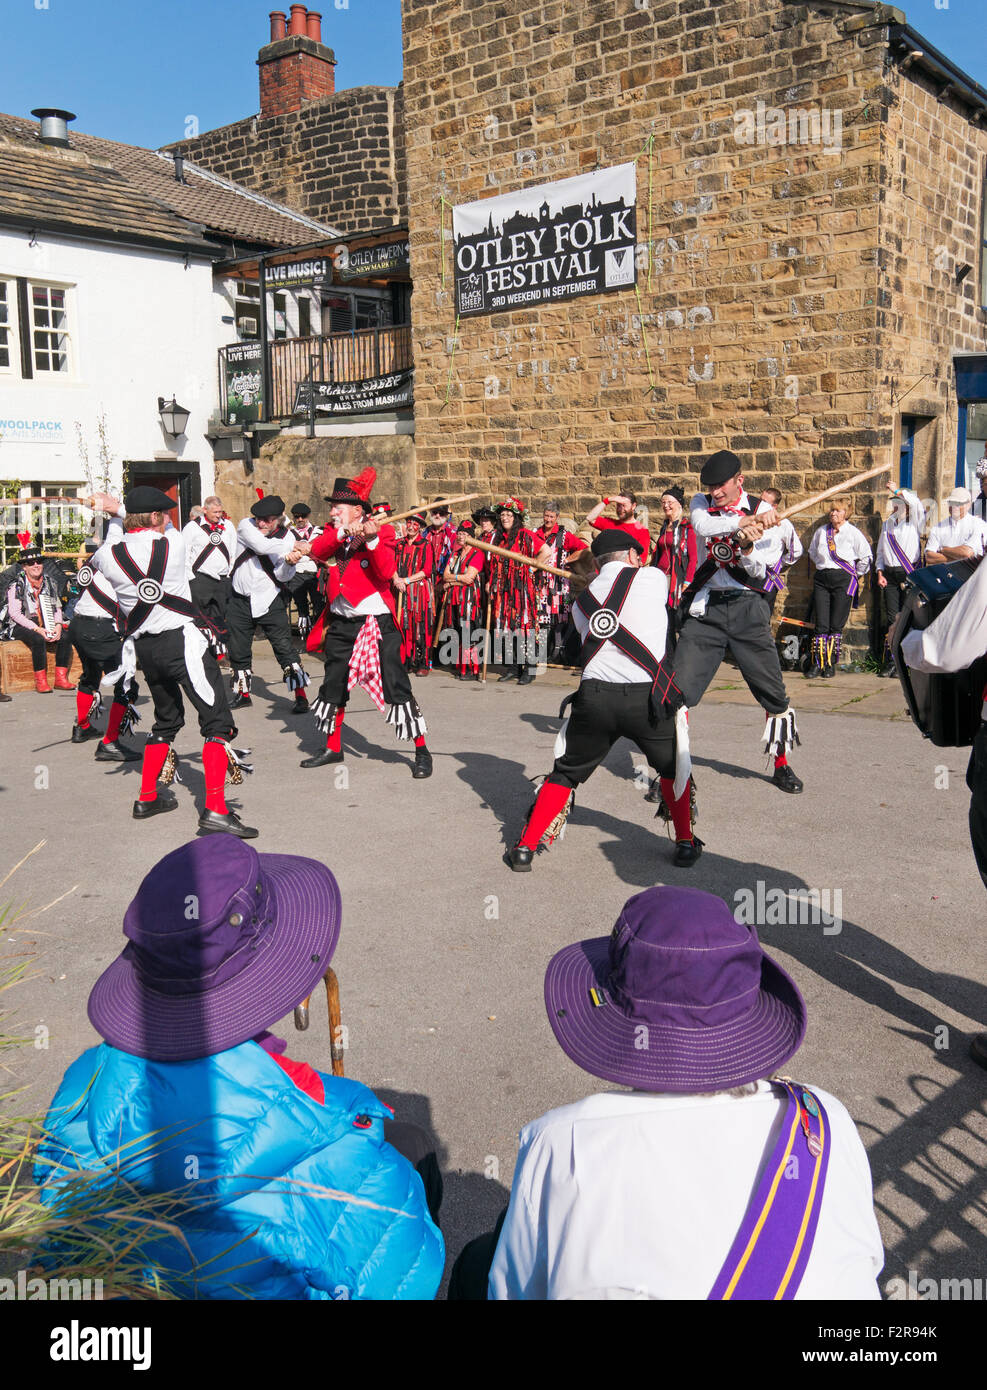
<point x="304" y="588"/>
<point x="441" y="536"/>
<point x="513" y="602"/>
<point x="362" y="642"/>
<point x="414" y="581"/>
<point x="780" y="548"/>
<point x="625" y="506"/>
<point x="210" y="545"/>
<point x="899" y="551"/>
<point x="626" y="691"/>
<point x="726" y="608"/>
<point x="148" y="572"/>
<point x="675" y="553"/>
<point x="842" y="556"/>
<point x="552" y="590"/>
<point x="265" y="563"/>
<point x="463" y="613"/>
<point x="95" y="630"/>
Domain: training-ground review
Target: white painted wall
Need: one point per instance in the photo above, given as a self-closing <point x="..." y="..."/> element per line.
<point x="141" y="326"/>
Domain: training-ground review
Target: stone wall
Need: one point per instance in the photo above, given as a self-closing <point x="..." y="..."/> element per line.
<point x="337" y="160"/>
<point x="304" y="470"/>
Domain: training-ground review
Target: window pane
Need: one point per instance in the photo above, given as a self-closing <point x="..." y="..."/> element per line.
<point x="57" y="299"/>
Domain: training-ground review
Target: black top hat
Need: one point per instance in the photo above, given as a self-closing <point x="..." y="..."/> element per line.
<point x="484" y="514"/>
<point x="31" y="555"/>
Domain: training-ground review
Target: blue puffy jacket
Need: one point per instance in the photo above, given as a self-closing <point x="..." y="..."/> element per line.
<point x="263" y="1168"/>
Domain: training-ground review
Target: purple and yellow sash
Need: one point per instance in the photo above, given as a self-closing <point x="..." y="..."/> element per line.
<point x="847" y="565"/>
<point x="903" y="560"/>
<point x="773" y="579"/>
<point x="769" y="1255"/>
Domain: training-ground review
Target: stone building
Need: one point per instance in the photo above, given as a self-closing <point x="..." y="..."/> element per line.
<point x="811" y="234"/>
<point x="334" y="155"/>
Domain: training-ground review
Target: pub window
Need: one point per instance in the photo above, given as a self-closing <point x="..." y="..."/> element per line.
<point x="279" y="323"/>
<point x="49" y="320"/>
<point x="304" y="317"/>
<point x="8" y="298"/>
<point x="246" y="310"/>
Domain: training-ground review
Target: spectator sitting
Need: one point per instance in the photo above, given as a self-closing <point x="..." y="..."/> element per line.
<point x="656" y="1193"/>
<point x="33" y="591"/>
<point x="223" y="942"/>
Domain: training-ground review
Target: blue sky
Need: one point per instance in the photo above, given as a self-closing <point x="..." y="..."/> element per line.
<point x="136" y="70"/>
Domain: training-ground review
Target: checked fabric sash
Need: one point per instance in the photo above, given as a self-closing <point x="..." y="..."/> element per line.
<point x="605" y="626"/>
<point x="150" y="586"/>
<point x="769" y="1255"/>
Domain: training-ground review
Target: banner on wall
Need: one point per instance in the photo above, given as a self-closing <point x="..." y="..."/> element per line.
<point x="396" y="391"/>
<point x="546" y="244"/>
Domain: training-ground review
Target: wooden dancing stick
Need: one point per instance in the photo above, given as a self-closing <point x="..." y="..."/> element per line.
<point x="429" y="507"/>
<point x="336" y="1049"/>
<point x="831" y="491"/>
<point x="522" y="559"/>
<point x="488" y="631"/>
<point x="438" y="625"/>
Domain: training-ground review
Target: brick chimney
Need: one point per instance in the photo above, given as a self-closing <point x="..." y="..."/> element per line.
<point x="296" y="66"/>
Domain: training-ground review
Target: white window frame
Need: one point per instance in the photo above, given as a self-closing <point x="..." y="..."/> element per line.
<point x="42" y="373"/>
<point x="12" y="327"/>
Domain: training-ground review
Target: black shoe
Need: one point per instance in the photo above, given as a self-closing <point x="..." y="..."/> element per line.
<point x="116" y="753"/>
<point x="520" y="858"/>
<point x="81" y="735"/>
<point x="423" y="763"/>
<point x="830" y="672"/>
<point x="507" y="676"/>
<point x="323" y="759"/>
<point x="240" y="702"/>
<point x="526" y="677"/>
<point x="785" y="779"/>
<point x="212" y="821"/>
<point x="654" y="791"/>
<point x="814" y="670"/>
<point x="300" y="706"/>
<point x="890" y="670"/>
<point x="978" y="1049"/>
<point x="165" y="801"/>
<point x="687" y="852"/>
<point x="5" y="699"/>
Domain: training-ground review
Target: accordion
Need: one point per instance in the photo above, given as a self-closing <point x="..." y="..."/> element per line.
<point x="946" y="707"/>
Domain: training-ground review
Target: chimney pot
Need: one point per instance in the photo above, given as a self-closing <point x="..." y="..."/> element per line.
<point x="297" y="22"/>
<point x="278" y="22"/>
<point x="314" y="22"/>
<point x="54" y="125"/>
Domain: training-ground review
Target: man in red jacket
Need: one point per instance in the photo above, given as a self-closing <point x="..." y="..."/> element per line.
<point x="358" y="631"/>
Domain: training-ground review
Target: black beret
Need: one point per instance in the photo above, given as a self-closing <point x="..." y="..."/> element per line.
<point x="719" y="468"/>
<point x="148" y="499"/>
<point x="267" y="507"/>
<point x="300" y="509"/>
<point x="612" y="540"/>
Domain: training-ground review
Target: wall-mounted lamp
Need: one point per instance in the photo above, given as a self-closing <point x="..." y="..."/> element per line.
<point x="174" y="417"/>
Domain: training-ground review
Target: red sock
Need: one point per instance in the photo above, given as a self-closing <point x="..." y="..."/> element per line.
<point x="214" y="764"/>
<point x="420" y="741"/>
<point x="550" y="802"/>
<point x="335" y="740"/>
<point x="681" y="810"/>
<point x="117" y="711"/>
<point x="83" y="704"/>
<point x="781" y="760"/>
<point x="154" y="760"/>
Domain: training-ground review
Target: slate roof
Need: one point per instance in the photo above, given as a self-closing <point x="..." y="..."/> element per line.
<point x="126" y="192"/>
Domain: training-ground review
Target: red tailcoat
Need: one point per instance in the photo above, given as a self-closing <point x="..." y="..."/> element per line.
<point x="356" y="574"/>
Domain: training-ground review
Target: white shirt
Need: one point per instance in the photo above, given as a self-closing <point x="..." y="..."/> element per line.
<point x="175" y="581"/>
<point x="958" y="636"/>
<point x="907" y="531"/>
<point x="851" y="545"/>
<point x="709" y="527"/>
<point x="646" y="1193"/>
<point x="965" y="530"/>
<point x="305" y="532"/>
<point x="251" y="579"/>
<point x="643" y="614"/>
<point x="780" y="542"/>
<point x="87" y="607"/>
<point x="215" y="565"/>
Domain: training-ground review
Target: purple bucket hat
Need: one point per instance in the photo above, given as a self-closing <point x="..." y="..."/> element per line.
<point x="680" y="997"/>
<point x="223" y="942"/>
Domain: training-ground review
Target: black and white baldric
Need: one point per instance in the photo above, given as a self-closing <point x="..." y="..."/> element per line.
<point x="216" y="545"/>
<point x="150" y="589"/>
<point x="86" y="579"/>
<point x="604" y="625"/>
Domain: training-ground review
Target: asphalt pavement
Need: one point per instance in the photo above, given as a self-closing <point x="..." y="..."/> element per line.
<point x="443" y="949"/>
